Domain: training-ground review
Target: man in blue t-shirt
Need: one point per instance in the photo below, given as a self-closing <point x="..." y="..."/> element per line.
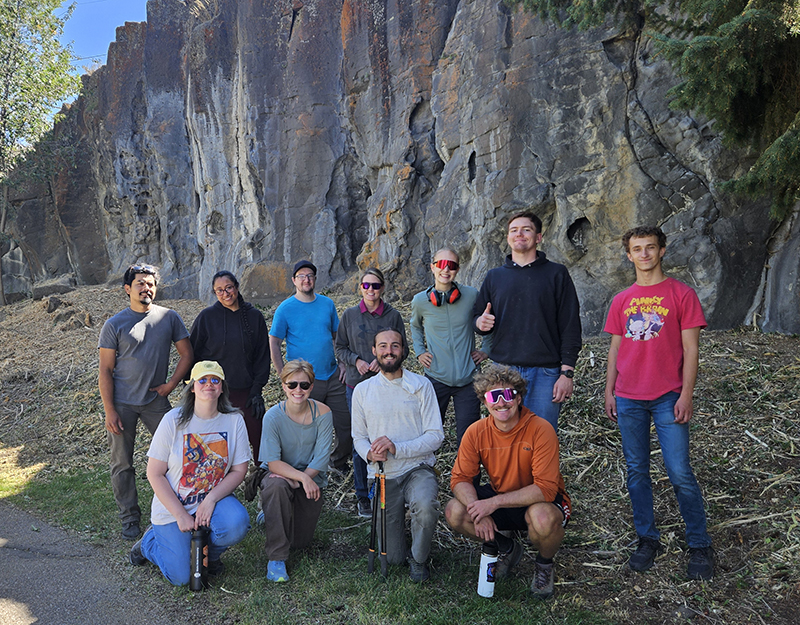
<point x="308" y="323"/>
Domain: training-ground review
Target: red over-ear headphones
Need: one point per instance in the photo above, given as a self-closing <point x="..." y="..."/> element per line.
<point x="439" y="298"/>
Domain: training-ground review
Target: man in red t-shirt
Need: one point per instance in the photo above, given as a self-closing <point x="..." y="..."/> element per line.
<point x="519" y="451"/>
<point x="652" y="368"/>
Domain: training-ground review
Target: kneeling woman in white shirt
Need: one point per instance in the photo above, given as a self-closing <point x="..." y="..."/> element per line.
<point x="198" y="456"/>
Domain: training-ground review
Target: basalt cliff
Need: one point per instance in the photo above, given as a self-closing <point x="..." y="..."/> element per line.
<point x="247" y="134"/>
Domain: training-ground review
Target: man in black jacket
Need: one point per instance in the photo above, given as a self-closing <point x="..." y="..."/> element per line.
<point x="530" y="307"/>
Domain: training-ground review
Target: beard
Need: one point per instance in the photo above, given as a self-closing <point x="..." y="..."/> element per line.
<point x="390" y="367"/>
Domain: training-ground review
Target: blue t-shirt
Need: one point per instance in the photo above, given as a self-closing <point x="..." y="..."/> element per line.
<point x="308" y="329"/>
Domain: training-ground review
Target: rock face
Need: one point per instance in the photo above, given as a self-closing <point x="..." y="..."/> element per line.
<point x="248" y="134"/>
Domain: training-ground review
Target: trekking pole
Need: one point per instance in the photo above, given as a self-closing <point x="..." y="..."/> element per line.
<point x="384" y="561"/>
<point x="373" y="529"/>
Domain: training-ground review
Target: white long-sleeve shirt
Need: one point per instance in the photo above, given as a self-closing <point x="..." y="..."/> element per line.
<point x="406" y="411"/>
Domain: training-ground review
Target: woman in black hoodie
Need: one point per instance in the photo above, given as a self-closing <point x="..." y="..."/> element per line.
<point x="234" y="333"/>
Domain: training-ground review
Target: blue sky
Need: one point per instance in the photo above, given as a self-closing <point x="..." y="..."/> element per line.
<point x="93" y="26"/>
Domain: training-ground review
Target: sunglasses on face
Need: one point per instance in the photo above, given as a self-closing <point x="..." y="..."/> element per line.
<point x="228" y="289"/>
<point x="293" y="385"/>
<point x="375" y="286"/>
<point x="446" y="264"/>
<point x="493" y="396"/>
<point x="209" y="380"/>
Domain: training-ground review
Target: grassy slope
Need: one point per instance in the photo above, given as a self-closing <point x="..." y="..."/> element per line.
<point x="53" y="457"/>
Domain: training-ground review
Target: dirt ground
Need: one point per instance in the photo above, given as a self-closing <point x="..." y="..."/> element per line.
<point x="745" y="452"/>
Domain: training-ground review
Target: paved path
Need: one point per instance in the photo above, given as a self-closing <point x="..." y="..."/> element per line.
<point x="47" y="577"/>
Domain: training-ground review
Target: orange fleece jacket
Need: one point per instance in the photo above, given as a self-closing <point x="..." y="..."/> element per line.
<point x="526" y="455"/>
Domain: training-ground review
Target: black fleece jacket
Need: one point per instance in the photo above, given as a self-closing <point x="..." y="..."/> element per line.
<point x="239" y="345"/>
<point x="537" y="314"/>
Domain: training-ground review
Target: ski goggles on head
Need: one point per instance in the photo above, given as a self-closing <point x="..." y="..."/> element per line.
<point x="494" y="396"/>
<point x="446" y="264"/>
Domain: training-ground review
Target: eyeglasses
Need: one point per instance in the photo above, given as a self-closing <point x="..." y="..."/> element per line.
<point x="375" y="286"/>
<point x="293" y="385"/>
<point x="493" y="396"/>
<point x="228" y="289"/>
<point x="213" y="381"/>
<point x="306" y="276"/>
<point x="446" y="264"/>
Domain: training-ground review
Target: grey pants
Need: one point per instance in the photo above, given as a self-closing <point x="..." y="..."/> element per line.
<point x="123" y="475"/>
<point x="419" y="490"/>
<point x="332" y="393"/>
<point x="290" y="517"/>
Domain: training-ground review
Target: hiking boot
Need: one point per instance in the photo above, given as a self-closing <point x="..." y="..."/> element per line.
<point x="135" y="557"/>
<point x="364" y="507"/>
<point x="276" y="571"/>
<point x="701" y="563"/>
<point x="130" y="530"/>
<point x="215" y="568"/>
<point x="645" y="554"/>
<point x="543" y="581"/>
<point x="419" y="571"/>
<point x="508" y="560"/>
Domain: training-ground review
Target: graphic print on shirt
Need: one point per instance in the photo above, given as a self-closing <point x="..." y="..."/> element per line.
<point x="205" y="457"/>
<point x="645" y="316"/>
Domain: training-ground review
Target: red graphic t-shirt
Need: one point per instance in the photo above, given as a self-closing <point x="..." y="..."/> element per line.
<point x="650" y="320"/>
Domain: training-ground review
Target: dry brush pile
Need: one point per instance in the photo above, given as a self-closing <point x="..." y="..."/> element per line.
<point x="745" y="451"/>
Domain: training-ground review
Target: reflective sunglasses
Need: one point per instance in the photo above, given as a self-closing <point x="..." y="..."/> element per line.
<point x="493" y="396"/>
<point x="446" y="264"/>
<point x="293" y="385"/>
<point x="209" y="380"/>
<point x="375" y="286"/>
<point x="148" y="269"/>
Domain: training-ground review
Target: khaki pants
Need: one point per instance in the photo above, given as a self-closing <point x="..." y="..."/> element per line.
<point x="290" y="518"/>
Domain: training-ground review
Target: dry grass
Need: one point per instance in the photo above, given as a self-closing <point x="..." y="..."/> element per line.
<point x="746" y="454"/>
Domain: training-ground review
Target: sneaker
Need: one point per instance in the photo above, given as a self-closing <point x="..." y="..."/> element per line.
<point x="543" y="580"/>
<point x="645" y="554"/>
<point x="364" y="507"/>
<point x="260" y="518"/>
<point x="701" y="563"/>
<point x="215" y="568"/>
<point x="507" y="561"/>
<point x="135" y="557"/>
<point x="419" y="571"/>
<point x="276" y="571"/>
<point x="130" y="530"/>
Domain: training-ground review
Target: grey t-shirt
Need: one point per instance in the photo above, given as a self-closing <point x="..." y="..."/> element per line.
<point x="142" y="342"/>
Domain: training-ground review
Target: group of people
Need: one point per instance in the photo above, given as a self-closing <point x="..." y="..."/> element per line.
<point x="348" y="396"/>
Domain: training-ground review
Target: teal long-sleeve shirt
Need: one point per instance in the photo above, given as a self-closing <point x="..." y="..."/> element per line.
<point x="446" y="332"/>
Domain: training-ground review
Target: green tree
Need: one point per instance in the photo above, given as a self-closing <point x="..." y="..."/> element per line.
<point x="35" y="76"/>
<point x="739" y="64"/>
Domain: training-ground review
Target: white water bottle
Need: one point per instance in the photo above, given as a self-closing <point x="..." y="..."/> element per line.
<point x="486" y="574"/>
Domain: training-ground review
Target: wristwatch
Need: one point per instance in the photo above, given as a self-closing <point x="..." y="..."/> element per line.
<point x="569" y="373"/>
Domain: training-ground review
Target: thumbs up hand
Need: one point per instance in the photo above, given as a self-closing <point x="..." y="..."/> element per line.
<point x="485" y="322"/>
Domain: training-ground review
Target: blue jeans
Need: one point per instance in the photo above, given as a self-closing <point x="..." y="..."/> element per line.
<point x="634" y="425"/>
<point x="359" y="466"/>
<point x="168" y="547"/>
<point x="539" y="397"/>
